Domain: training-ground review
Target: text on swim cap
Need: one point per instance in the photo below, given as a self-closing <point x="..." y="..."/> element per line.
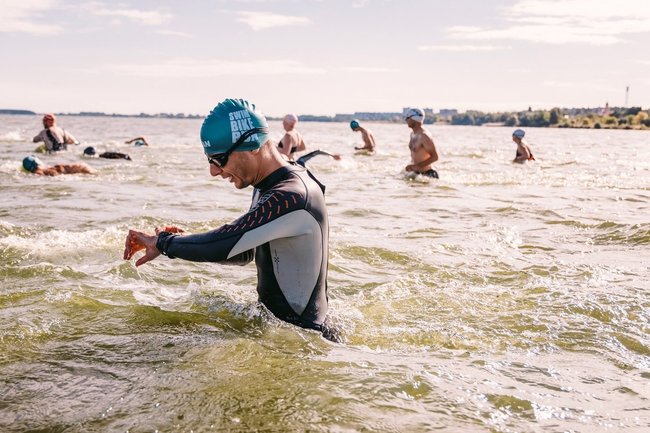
<point x="240" y="122"/>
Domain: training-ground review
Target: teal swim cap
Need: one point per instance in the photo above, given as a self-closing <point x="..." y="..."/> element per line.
<point x="31" y="163"/>
<point x="354" y="124"/>
<point x="227" y="122"/>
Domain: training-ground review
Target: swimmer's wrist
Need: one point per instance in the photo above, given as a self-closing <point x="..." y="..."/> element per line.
<point x="163" y="241"/>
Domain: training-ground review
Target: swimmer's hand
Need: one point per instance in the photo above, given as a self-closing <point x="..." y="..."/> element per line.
<point x="169" y="229"/>
<point x="411" y="167"/>
<point x="138" y="241"/>
<point x="336" y="157"/>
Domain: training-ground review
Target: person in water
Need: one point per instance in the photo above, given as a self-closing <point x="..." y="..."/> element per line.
<point x="423" y="150"/>
<point x="285" y="230"/>
<point x="523" y="149"/>
<point x="366" y="135"/>
<point x="292" y="141"/>
<point x="54" y="137"/>
<point x="35" y="166"/>
<point x="91" y="152"/>
<point x="138" y="141"/>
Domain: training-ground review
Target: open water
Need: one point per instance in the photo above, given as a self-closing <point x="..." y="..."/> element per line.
<point x="500" y="298"/>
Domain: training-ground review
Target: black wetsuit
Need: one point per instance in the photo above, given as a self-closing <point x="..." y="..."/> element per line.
<point x="430" y="173"/>
<point x="114" y="155"/>
<point x="286" y="231"/>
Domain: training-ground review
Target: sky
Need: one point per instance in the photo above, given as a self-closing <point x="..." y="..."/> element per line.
<point x="323" y="57"/>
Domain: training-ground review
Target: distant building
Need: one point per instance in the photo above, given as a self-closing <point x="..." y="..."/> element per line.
<point x="606" y="109"/>
<point x="427" y="111"/>
<point x="447" y="112"/>
<point x="363" y="115"/>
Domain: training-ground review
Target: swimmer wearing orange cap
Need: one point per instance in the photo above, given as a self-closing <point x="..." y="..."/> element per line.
<point x="54" y="137"/>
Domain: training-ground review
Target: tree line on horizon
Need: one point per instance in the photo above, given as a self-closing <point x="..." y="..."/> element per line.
<point x="612" y="118"/>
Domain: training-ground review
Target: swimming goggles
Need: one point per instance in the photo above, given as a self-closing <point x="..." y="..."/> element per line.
<point x="221" y="159"/>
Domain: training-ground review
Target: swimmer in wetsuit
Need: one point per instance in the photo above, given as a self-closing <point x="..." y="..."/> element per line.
<point x="91" y="152"/>
<point x="292" y="141"/>
<point x="423" y="150"/>
<point x="523" y="149"/>
<point x="285" y="229"/>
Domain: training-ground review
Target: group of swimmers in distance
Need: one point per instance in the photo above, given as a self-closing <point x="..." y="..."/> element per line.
<point x="421" y="145"/>
<point x="56" y="139"/>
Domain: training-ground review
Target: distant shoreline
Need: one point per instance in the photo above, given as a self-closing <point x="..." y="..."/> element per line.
<point x="632" y="118"/>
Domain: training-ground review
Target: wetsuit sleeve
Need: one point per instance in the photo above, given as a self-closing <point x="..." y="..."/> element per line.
<point x="234" y="243"/>
<point x="303" y="159"/>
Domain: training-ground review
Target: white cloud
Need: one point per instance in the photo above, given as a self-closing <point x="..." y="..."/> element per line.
<point x="150" y="18"/>
<point x="267" y="20"/>
<point x="22" y="16"/>
<point x="463" y="48"/>
<point x="565" y="21"/>
<point x="367" y="69"/>
<point x="173" y="33"/>
<point x="192" y="68"/>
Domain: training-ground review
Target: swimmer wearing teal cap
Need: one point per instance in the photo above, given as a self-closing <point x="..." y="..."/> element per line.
<point x="285" y="230"/>
<point x="366" y="135"/>
<point x="31" y="163"/>
<point x="34" y="165"/>
<point x="228" y="122"/>
<point x="138" y="141"/>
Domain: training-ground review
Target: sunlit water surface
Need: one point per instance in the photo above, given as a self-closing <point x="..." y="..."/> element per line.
<point x="499" y="298"/>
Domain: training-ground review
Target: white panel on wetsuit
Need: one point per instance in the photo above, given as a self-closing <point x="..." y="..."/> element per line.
<point x="296" y="261"/>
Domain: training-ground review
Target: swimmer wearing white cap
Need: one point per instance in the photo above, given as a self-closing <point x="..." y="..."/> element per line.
<point x="423" y="150"/>
<point x="523" y="150"/>
<point x="292" y="141"/>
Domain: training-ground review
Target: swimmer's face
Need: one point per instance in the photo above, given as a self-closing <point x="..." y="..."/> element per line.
<point x="288" y="124"/>
<point x="231" y="171"/>
<point x="410" y="122"/>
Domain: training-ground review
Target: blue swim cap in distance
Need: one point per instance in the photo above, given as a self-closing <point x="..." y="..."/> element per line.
<point x="89" y="151"/>
<point x="354" y="124"/>
<point x="227" y="122"/>
<point x="519" y="133"/>
<point x="31" y="163"/>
